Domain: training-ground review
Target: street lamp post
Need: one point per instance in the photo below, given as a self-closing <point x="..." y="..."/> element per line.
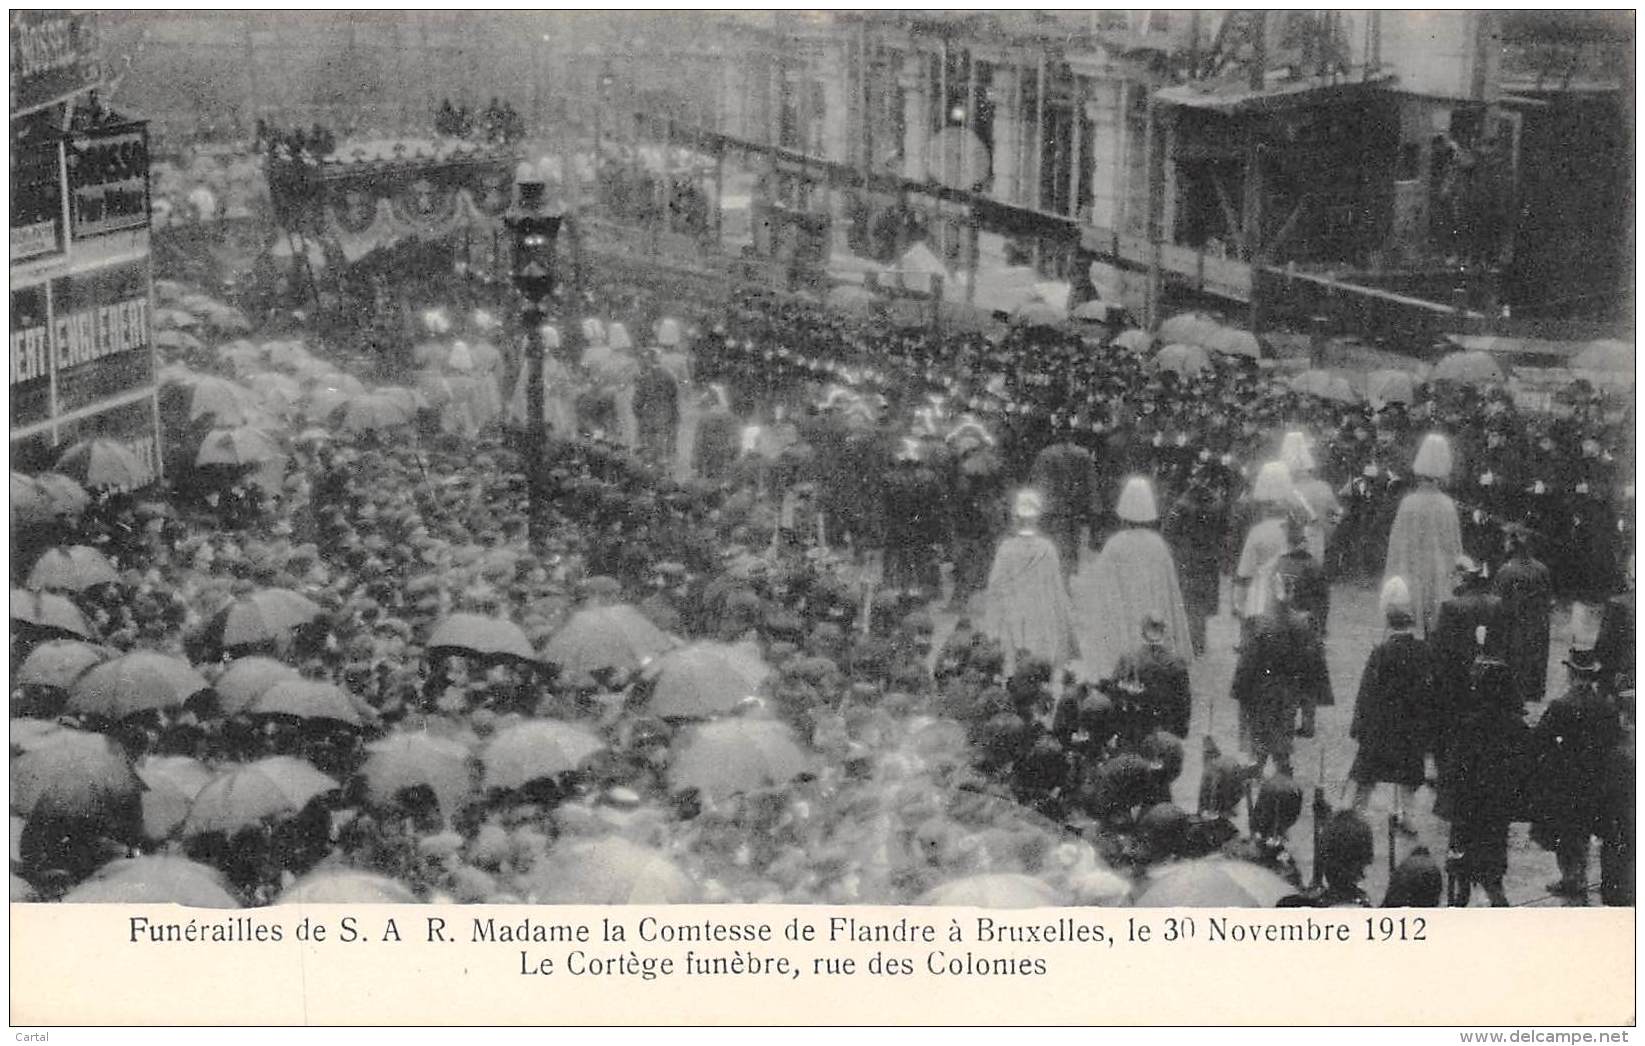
<point x="534" y="224"/>
<point x="602" y="98"/>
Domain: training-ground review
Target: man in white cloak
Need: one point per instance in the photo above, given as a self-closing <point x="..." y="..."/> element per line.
<point x="1274" y="497"/>
<point x="1026" y="602"/>
<point x="1313" y="493"/>
<point x="1132" y="578"/>
<point x="1426" y="537"/>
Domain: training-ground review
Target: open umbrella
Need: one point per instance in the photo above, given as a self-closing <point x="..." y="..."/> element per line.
<point x="1231" y="341"/>
<point x="609" y="871"/>
<point x="1133" y="340"/>
<point x="170" y="783"/>
<point x="1213" y="882"/>
<point x="1183" y="359"/>
<point x="247" y="794"/>
<point x="245" y="679"/>
<point x="702" y="680"/>
<point x="485" y="636"/>
<point x="346" y="886"/>
<point x="1470" y="368"/>
<point x="72" y="773"/>
<point x="1383" y="387"/>
<point x="1097" y="311"/>
<point x="322" y="402"/>
<point x="176" y="339"/>
<point x="241" y="356"/>
<point x="29" y="734"/>
<point x="275" y="389"/>
<point x="535" y="750"/>
<point x="104" y="464"/>
<point x="1037" y="314"/>
<point x="1607" y="354"/>
<point x="1002" y="890"/>
<point x="259" y="617"/>
<point x="723" y="758"/>
<point x="154" y="880"/>
<point x="1189" y="328"/>
<point x="72" y="568"/>
<point x="309" y="699"/>
<point x="369" y="412"/>
<point x="174" y="319"/>
<point x="617" y="637"/>
<point x="68" y="498"/>
<point x="1322" y="384"/>
<point x="409" y="758"/>
<point x="59" y="663"/>
<point x="286" y="353"/>
<point x="30" y="504"/>
<point x="50" y="613"/>
<point x="238" y="447"/>
<point x="135" y="682"/>
<point x="229" y="320"/>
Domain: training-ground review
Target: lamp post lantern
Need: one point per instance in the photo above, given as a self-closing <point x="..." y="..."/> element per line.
<point x="534" y="225"/>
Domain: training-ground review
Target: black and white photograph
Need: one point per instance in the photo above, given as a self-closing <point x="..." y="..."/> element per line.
<point x="1003" y="459"/>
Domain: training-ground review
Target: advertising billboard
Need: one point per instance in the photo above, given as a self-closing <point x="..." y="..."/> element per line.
<point x="54" y="54"/>
<point x="108" y="173"/>
<point x="30" y="385"/>
<point x="36" y="201"/>
<point x="101" y="343"/>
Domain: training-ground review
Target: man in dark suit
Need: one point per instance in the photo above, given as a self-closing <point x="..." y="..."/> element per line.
<point x="1304" y="577"/>
<point x="1196" y="528"/>
<point x="1572" y="742"/>
<point x="1527" y="592"/>
<point x="1159" y="679"/>
<point x="657" y="409"/>
<point x="1457" y="639"/>
<point x="1281" y="667"/>
<point x="1066" y="475"/>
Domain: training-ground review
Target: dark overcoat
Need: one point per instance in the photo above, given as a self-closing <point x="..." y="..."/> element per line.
<point x="1527" y="592"/>
<point x="1393" y="712"/>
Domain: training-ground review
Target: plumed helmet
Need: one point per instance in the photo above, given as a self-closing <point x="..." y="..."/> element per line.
<point x="1396" y="600"/>
<point x="1433" y="457"/>
<point x="668" y="333"/>
<point x="1273" y="484"/>
<point x="593" y="331"/>
<point x="1295" y="454"/>
<point x="618" y="338"/>
<point x="1137" y="502"/>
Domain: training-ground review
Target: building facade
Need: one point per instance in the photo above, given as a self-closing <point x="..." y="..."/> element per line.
<point x="1304" y="157"/>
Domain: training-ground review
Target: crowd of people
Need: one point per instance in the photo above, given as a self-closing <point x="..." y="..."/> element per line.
<point x="498" y="123"/>
<point x="757" y="516"/>
<point x="920" y="481"/>
<point x="630" y="191"/>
